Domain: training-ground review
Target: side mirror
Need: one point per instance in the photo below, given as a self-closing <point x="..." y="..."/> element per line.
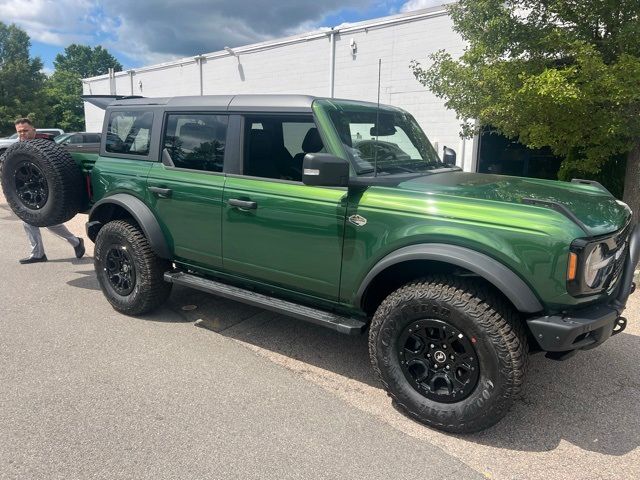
<point x="324" y="170"/>
<point x="449" y="157"/>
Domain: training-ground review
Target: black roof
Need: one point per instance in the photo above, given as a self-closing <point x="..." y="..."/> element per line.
<point x="236" y="103"/>
<point x="225" y="102"/>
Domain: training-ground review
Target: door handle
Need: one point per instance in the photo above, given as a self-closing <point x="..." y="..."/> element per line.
<point x="160" y="192"/>
<point x="242" y="204"/>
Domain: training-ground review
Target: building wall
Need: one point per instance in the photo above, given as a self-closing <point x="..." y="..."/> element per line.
<point x="302" y="65"/>
<point x="296" y="68"/>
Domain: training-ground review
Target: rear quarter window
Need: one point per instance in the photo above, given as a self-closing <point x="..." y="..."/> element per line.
<point x="129" y="132"/>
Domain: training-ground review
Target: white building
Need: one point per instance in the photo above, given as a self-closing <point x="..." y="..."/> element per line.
<point x="341" y="62"/>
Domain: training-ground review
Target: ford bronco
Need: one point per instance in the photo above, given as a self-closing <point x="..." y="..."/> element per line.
<point x="341" y="213"/>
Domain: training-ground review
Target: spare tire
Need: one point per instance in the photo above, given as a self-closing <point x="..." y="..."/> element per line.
<point x="43" y="185"/>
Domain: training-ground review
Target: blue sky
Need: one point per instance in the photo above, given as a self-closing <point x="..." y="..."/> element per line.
<point x="145" y="32"/>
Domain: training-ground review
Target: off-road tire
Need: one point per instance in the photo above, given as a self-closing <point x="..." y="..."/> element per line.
<point x="148" y="290"/>
<point x="62" y="176"/>
<point x="500" y="346"/>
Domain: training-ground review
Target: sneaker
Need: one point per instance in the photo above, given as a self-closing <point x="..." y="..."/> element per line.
<point x="27" y="260"/>
<point x="79" y="249"/>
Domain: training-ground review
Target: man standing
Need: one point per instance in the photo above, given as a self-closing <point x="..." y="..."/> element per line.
<point x="26" y="131"/>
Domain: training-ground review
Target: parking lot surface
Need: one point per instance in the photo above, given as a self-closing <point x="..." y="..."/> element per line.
<point x="87" y="392"/>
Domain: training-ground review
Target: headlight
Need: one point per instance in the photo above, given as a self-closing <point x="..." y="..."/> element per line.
<point x="596" y="265"/>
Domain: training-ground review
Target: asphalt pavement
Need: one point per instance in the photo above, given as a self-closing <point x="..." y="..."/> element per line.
<point x="88" y="393"/>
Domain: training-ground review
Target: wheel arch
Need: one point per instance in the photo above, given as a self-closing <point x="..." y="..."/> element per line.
<point x="409" y="263"/>
<point x="122" y="205"/>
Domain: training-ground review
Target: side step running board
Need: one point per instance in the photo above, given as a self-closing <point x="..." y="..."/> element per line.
<point x="349" y="326"/>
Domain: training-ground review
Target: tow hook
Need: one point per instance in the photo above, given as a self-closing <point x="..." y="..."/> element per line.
<point x="621" y="324"/>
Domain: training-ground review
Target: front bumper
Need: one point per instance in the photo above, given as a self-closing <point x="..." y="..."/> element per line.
<point x="589" y="327"/>
<point x="581" y="329"/>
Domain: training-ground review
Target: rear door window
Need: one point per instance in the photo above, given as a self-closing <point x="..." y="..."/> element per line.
<point x="196" y="141"/>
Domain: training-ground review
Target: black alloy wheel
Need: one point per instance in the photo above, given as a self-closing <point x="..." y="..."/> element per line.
<point x="438" y="360"/>
<point x="129" y="272"/>
<point x="450" y="352"/>
<point x="31" y="185"/>
<point x="120" y="269"/>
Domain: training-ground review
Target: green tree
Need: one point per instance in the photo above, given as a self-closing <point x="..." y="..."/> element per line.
<point x="557" y="73"/>
<point x="86" y="61"/>
<point x="21" y="79"/>
<point x="64" y="87"/>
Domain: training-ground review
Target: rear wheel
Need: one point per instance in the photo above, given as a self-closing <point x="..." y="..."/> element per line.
<point x="450" y="353"/>
<point x="129" y="272"/>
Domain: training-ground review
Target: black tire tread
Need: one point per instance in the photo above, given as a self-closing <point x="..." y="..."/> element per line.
<point x="63" y="174"/>
<point x="150" y="269"/>
<point x="491" y="312"/>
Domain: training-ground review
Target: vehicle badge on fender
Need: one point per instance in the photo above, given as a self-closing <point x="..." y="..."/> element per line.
<point x="357" y="220"/>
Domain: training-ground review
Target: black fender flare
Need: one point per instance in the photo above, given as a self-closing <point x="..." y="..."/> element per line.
<point x="500" y="276"/>
<point x="141" y="213"/>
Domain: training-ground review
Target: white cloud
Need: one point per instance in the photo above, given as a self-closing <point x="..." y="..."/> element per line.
<point x="154" y="31"/>
<point x="419" y="4"/>
<point x="56" y="23"/>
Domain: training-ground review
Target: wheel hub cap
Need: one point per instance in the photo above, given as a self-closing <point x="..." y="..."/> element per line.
<point x="31" y="185"/>
<point x="120" y="271"/>
<point x="438" y="360"/>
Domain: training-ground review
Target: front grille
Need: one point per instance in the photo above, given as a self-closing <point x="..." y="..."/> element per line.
<point x="619" y="243"/>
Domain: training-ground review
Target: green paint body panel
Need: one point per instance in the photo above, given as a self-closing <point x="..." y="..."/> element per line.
<point x="299" y="241"/>
<point x="119" y="175"/>
<point x="86" y="160"/>
<point x="293" y="239"/>
<point x="533" y="242"/>
<point x="191" y="217"/>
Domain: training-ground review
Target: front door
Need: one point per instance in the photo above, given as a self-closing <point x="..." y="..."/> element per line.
<point x="275" y="229"/>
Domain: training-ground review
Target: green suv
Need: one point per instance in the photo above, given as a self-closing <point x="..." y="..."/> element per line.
<point x="341" y="213"/>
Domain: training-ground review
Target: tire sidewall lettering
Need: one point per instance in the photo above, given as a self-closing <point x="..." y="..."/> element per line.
<point x="487" y="393"/>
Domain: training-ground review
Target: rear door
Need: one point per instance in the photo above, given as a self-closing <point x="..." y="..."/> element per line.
<point x="186" y="197"/>
<point x="277" y="230"/>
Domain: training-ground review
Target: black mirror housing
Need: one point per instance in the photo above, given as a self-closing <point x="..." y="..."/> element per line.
<point x="325" y="170"/>
<point x="382" y="130"/>
<point x="449" y="157"/>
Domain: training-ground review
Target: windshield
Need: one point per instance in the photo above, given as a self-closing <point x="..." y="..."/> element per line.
<point x="387" y="140"/>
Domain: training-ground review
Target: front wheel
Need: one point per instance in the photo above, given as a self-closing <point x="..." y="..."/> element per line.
<point x="129" y="272"/>
<point x="450" y="353"/>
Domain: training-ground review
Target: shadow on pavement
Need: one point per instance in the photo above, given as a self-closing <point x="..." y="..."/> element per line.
<point x="88" y="281"/>
<point x="74" y="261"/>
<point x="591" y="400"/>
<point x="318" y="346"/>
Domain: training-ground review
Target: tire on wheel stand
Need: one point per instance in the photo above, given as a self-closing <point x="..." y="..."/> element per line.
<point x="43" y="185"/>
<point x="129" y="272"/>
<point x="449" y="352"/>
